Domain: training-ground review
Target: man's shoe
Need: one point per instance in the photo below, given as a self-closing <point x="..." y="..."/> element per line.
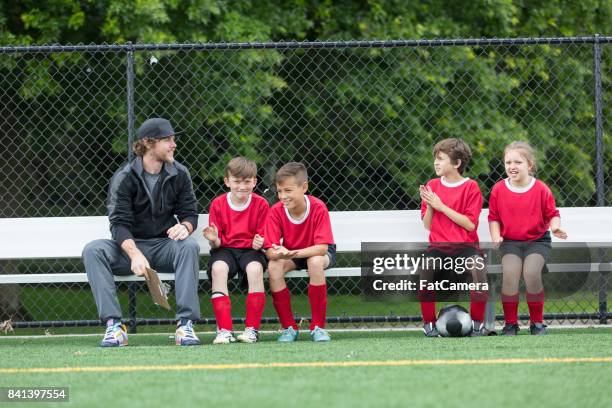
<point x="319" y="334"/>
<point x="116" y="334"/>
<point x="537" y="329"/>
<point x="224" y="336"/>
<point x="510" y="329"/>
<point x="288" y="335"/>
<point x="185" y="335"/>
<point x="250" y="335"/>
<point x="430" y="330"/>
<point x="479" y="329"/>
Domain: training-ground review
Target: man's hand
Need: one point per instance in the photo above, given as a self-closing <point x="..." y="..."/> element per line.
<point x="283" y="253"/>
<point x="178" y="232"/>
<point x="140" y="265"/>
<point x="258" y="242"/>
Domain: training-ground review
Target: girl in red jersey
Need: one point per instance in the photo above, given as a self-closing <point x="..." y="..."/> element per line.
<point x="522" y="209"/>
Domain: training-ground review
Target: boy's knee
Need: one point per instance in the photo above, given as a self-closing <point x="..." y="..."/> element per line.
<point x="254" y="269"/>
<point x="219" y="269"/>
<point x="276" y="269"/>
<point x="317" y="263"/>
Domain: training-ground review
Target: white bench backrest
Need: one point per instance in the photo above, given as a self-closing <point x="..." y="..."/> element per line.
<point x="65" y="237"/>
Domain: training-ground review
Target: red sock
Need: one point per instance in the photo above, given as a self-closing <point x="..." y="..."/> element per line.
<point x="317" y="295"/>
<point x="428" y="305"/>
<point x="535" y="301"/>
<point x="282" y="304"/>
<point x="478" y="303"/>
<point x="510" y="304"/>
<point x="255" y="303"/>
<point x="222" y="306"/>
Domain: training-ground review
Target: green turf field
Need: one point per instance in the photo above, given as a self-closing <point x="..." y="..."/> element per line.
<point x="356" y="369"/>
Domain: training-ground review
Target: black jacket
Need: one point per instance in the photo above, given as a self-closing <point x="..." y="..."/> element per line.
<point x="134" y="213"/>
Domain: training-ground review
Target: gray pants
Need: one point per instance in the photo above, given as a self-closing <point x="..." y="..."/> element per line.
<point x="104" y="258"/>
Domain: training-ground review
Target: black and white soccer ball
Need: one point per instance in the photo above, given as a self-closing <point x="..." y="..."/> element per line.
<point x="454" y="321"/>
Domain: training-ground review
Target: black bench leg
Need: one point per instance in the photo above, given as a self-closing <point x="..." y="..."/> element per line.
<point x="132" y="288"/>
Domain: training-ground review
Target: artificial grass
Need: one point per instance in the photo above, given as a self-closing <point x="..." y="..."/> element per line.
<point x="536" y="383"/>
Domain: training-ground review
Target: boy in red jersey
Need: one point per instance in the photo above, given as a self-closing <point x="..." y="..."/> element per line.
<point x="299" y="236"/>
<point x="450" y="210"/>
<point x="235" y="233"/>
<point x="522" y="209"/>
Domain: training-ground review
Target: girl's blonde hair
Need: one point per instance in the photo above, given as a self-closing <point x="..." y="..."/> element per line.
<point x="526" y="151"/>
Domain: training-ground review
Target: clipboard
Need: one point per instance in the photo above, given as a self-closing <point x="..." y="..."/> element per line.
<point x="157" y="289"/>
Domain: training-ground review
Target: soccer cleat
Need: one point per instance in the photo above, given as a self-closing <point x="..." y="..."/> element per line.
<point x="288" y="335"/>
<point x="537" y="329"/>
<point x="430" y="330"/>
<point x="479" y="329"/>
<point x="319" y="334"/>
<point x="224" y="336"/>
<point x="185" y="335"/>
<point x="116" y="334"/>
<point x="510" y="329"/>
<point x="250" y="335"/>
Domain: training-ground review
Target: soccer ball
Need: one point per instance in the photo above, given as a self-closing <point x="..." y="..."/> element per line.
<point x="454" y="321"/>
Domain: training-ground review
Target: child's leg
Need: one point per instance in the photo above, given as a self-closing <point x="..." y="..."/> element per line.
<point x="478" y="298"/>
<point x="256" y="298"/>
<point x="281" y="297"/>
<point x="532" y="272"/>
<point x="222" y="306"/>
<point x="427" y="298"/>
<point x="511" y="275"/>
<point x="317" y="290"/>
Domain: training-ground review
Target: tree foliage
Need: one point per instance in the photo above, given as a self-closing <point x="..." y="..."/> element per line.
<point x="364" y="120"/>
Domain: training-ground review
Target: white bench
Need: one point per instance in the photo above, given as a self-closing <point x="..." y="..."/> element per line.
<point x="65" y="237"/>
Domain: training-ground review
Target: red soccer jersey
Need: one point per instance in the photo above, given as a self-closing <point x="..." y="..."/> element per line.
<point x="238" y="225"/>
<point x="465" y="198"/>
<point x="314" y="228"/>
<point x="524" y="214"/>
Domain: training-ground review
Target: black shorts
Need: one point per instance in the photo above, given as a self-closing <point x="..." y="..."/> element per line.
<point x="521" y="249"/>
<point x="302" y="263"/>
<point x="237" y="259"/>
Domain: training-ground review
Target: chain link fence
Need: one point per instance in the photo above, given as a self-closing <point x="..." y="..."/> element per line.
<point x="363" y="116"/>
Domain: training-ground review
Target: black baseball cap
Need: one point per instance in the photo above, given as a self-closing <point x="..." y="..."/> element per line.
<point x="155" y="128"/>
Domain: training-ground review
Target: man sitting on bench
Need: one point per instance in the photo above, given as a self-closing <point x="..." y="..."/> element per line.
<point x="152" y="211"/>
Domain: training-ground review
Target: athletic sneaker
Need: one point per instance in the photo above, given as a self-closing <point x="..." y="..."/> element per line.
<point x="479" y="329"/>
<point x="430" y="330"/>
<point x="537" y="329"/>
<point x="288" y="335"/>
<point x="185" y="335"/>
<point x="510" y="329"/>
<point x="116" y="334"/>
<point x="250" y="335"/>
<point x="319" y="334"/>
<point x="224" y="336"/>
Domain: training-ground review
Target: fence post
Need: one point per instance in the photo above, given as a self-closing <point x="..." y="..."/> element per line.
<point x="132" y="286"/>
<point x="599" y="173"/>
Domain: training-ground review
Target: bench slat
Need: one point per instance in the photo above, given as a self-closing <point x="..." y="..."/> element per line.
<point x="65" y="237"/>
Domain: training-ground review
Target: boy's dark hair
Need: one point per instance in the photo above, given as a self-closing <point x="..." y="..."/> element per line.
<point x="456" y="149"/>
<point x="292" y="169"/>
<point x="241" y="167"/>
